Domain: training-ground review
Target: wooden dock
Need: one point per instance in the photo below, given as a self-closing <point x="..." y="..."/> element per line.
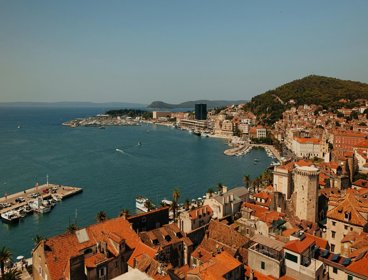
<point x="46" y="191"/>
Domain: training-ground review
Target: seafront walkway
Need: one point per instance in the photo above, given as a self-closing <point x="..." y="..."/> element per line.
<point x="46" y="191"/>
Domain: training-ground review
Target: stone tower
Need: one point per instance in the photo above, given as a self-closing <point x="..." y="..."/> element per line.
<point x="306" y="181"/>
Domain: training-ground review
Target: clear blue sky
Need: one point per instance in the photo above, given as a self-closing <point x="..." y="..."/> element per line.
<point x="140" y="51"/>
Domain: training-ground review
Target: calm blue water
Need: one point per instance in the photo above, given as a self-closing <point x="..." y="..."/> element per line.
<point x="86" y="157"/>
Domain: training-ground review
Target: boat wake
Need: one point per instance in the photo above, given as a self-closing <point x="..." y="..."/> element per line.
<point x="120" y="151"/>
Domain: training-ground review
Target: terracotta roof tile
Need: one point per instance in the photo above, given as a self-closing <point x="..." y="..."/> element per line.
<point x="299" y="246"/>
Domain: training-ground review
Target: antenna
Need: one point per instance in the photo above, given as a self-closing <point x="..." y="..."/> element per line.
<point x="76" y="216"/>
<point x="47" y="180"/>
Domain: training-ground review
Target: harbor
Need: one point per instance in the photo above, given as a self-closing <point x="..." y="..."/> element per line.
<point x="38" y="199"/>
<point x="244" y="149"/>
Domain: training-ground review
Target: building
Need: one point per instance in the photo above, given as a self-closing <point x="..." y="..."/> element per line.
<point x="172" y="246"/>
<point x="345" y="141"/>
<point x="194" y="219"/>
<point x="220" y="266"/>
<point x="150" y="220"/>
<point x="348" y="212"/>
<point x="361" y="156"/>
<point x="158" y="115"/>
<point x="300" y="259"/>
<point x="99" y="251"/>
<point x="266" y="256"/>
<point x="306" y="180"/>
<point x="282" y="179"/>
<point x="307" y="147"/>
<point x="200" y="111"/>
<point x="261" y="132"/>
<point x="227" y="204"/>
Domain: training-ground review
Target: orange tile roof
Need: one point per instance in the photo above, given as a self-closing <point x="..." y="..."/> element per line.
<point x="288" y="232"/>
<point x="314" y="141"/>
<point x="320" y="242"/>
<point x="362" y="144"/>
<point x="94" y="260"/>
<point x="303" y="162"/>
<point x="361" y="183"/>
<point x="217" y="267"/>
<point x="140" y="250"/>
<point x="360" y="266"/>
<point x="264" y="214"/>
<point x="62" y="247"/>
<point x="299" y="246"/>
<point x="350" y="204"/>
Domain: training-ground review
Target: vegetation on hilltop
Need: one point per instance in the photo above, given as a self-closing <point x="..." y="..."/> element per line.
<point x="319" y="90"/>
<point x="190" y="104"/>
<point x="130" y="113"/>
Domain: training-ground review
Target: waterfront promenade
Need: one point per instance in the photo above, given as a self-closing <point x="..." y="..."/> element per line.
<point x="46" y="191"/>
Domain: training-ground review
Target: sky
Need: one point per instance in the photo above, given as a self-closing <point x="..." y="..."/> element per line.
<point x="174" y="51"/>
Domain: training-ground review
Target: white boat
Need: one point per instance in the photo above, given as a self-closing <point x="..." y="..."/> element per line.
<point x="166" y="202"/>
<point x="140" y="203"/>
<point x="38" y="206"/>
<point x="119" y="150"/>
<point x="10" y="217"/>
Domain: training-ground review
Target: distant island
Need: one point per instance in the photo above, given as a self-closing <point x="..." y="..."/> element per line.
<point x="190" y="104"/>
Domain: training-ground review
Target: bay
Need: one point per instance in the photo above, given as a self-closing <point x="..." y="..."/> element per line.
<point x="87" y="158"/>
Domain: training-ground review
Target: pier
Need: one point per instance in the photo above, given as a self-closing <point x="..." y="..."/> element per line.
<point x="45" y="191"/>
<point x="241" y="149"/>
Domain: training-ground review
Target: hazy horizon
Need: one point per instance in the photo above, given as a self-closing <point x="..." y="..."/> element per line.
<point x="174" y="51"/>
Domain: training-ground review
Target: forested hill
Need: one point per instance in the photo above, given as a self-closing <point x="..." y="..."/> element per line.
<point x="190" y="104"/>
<point x="324" y="91"/>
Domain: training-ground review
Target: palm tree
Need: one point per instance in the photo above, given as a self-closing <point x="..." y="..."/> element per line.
<point x="101" y="216"/>
<point x="187" y="204"/>
<point x="12" y="274"/>
<point x="37" y="239"/>
<point x="219" y="187"/>
<point x="72" y="228"/>
<point x="247" y="181"/>
<point x="210" y="191"/>
<point x="124" y="213"/>
<point x="148" y="204"/>
<point x="5" y="255"/>
<point x="174" y="205"/>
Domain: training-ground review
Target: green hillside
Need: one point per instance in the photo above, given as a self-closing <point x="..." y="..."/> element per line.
<point x="324" y="91"/>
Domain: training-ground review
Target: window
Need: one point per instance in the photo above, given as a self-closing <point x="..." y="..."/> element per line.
<point x="333" y="233"/>
<point x="334" y="270"/>
<point x="102" y="272"/>
<point x="263" y="265"/>
<point x="334" y="223"/>
<point x="291" y="257"/>
<point x="350" y="277"/>
<point x="332" y="247"/>
<point x="345" y="227"/>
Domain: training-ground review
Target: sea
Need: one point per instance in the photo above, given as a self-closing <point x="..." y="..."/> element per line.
<point x="34" y="145"/>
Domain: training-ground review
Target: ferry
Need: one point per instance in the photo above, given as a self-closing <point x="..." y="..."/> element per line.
<point x="10" y="217"/>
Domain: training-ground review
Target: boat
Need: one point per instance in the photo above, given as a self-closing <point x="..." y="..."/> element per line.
<point x="27" y="209"/>
<point x="166" y="202"/>
<point x="119" y="150"/>
<point x="102" y="127"/>
<point x="203" y="134"/>
<point x="56" y="197"/>
<point x="139" y="143"/>
<point x="38" y="206"/>
<point x="141" y="202"/>
<point x="196" y="132"/>
<point x="10" y="217"/>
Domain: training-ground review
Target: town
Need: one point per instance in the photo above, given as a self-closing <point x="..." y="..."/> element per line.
<point x="308" y="220"/>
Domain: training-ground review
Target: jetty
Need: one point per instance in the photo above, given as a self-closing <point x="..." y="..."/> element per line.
<point x="45" y="191"/>
<point x="243" y="148"/>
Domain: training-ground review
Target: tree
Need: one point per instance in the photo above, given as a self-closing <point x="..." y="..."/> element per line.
<point x="187" y="204"/>
<point x="247" y="181"/>
<point x="176" y="196"/>
<point x="72" y="228"/>
<point x="12" y="274"/>
<point x="219" y="187"/>
<point x="101" y="216"/>
<point x="124" y="213"/>
<point x="148" y="204"/>
<point x="5" y="255"/>
<point x="37" y="239"/>
<point x="210" y="191"/>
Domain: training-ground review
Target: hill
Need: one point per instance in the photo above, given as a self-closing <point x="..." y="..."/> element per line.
<point x="319" y="90"/>
<point x="190" y="104"/>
